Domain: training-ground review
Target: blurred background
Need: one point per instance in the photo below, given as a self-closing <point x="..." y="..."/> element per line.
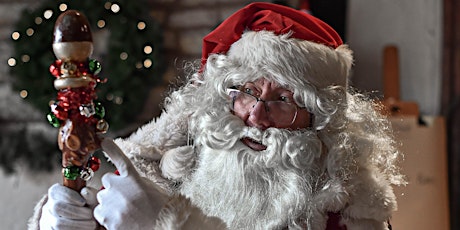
<point x="144" y="45"/>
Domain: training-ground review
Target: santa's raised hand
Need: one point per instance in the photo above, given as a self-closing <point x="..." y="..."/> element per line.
<point x="129" y="201"/>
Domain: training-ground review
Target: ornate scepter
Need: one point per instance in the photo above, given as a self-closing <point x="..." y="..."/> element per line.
<point x="78" y="117"/>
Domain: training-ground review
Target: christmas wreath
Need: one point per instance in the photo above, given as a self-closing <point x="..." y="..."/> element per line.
<point x="127" y="43"/>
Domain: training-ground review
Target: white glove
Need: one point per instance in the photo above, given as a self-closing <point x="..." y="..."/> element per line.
<point x="68" y="209"/>
<point x="128" y="201"/>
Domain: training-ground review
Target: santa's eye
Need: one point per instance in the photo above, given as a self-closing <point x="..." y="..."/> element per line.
<point x="250" y="90"/>
<point x="284" y="99"/>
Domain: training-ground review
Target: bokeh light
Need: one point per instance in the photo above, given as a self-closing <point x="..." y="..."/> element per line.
<point x="148" y="49"/>
<point x="148" y="63"/>
<point x="101" y="23"/>
<point x="115" y="8"/>
<point x="15" y="35"/>
<point x="23" y="93"/>
<point x="141" y="25"/>
<point x="48" y="14"/>
<point x="12" y="62"/>
<point x="124" y="56"/>
<point x="63" y="7"/>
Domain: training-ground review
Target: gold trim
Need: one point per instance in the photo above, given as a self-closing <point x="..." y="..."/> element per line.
<point x="73" y="51"/>
<point x="72" y="82"/>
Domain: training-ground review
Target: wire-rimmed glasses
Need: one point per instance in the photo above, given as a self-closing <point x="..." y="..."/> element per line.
<point x="279" y="111"/>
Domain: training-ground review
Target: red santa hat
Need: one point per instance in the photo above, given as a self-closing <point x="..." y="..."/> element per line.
<point x="323" y="52"/>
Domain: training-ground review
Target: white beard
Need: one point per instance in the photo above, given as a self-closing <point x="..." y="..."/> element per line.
<point x="255" y="189"/>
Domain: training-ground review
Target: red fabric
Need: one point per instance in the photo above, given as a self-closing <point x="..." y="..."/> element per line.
<point x="271" y="17"/>
<point x="333" y="222"/>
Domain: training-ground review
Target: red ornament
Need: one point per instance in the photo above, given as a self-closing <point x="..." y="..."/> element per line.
<point x="94" y="163"/>
<point x="55" y="68"/>
<point x="83" y="69"/>
<point x="70" y="100"/>
<point x="59" y="112"/>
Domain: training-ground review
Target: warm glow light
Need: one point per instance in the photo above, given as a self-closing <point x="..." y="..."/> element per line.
<point x="23" y="93"/>
<point x="115" y="8"/>
<point x="38" y="20"/>
<point x="63" y="7"/>
<point x="48" y="14"/>
<point x="25" y="58"/>
<point x="30" y="32"/>
<point x="15" y="35"/>
<point x="101" y="23"/>
<point x="148" y="63"/>
<point x="148" y="49"/>
<point x="123" y="56"/>
<point x="118" y="100"/>
<point x="109" y="97"/>
<point x="139" y="65"/>
<point x="107" y="5"/>
<point x="11" y="62"/>
<point x="141" y="25"/>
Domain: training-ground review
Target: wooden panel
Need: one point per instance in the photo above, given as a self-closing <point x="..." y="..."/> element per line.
<point x="424" y="203"/>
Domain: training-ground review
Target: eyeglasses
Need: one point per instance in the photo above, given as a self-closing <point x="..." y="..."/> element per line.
<point x="279" y="111"/>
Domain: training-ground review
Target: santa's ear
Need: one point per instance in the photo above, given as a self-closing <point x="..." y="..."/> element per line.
<point x="178" y="162"/>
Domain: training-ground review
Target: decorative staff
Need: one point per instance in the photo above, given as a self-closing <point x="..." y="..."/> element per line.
<point x="78" y="117"/>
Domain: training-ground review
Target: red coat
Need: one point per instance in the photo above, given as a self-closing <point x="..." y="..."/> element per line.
<point x="333" y="222"/>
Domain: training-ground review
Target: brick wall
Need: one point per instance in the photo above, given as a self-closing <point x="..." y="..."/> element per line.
<point x="186" y="22"/>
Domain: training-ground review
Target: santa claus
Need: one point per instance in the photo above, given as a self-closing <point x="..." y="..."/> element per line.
<point x="266" y="134"/>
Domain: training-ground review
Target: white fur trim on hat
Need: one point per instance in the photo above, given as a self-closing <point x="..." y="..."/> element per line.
<point x="304" y="62"/>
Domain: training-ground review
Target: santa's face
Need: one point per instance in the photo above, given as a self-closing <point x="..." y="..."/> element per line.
<point x="254" y="163"/>
<point x="264" y="104"/>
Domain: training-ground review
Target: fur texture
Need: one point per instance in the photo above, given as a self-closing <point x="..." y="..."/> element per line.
<point x="34" y="221"/>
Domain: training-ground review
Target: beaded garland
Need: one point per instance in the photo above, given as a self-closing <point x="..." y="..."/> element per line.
<point x="70" y="100"/>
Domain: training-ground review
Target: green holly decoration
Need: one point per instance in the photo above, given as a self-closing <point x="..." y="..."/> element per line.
<point x="53" y="120"/>
<point x="94" y="66"/>
<point x="100" y="110"/>
<point x="71" y="172"/>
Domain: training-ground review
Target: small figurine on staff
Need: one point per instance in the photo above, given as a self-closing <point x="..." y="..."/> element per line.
<point x="79" y="118"/>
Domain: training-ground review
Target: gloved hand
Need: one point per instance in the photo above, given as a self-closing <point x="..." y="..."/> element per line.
<point x="68" y="209"/>
<point x="128" y="200"/>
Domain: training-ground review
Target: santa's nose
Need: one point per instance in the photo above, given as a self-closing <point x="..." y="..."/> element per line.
<point x="259" y="116"/>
